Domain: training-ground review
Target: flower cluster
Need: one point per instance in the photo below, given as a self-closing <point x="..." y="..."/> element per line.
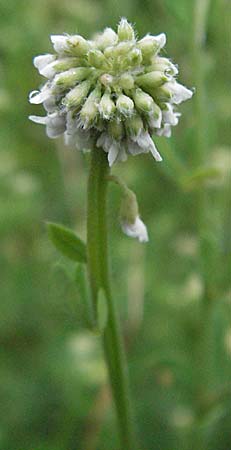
<point x="114" y="91"/>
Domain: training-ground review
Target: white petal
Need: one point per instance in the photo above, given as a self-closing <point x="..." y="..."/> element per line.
<point x="143" y="140"/>
<point x="137" y="230"/>
<point x="49" y="70"/>
<point x="134" y="148"/>
<point x="155" y="120"/>
<point x="122" y="156"/>
<point x="154" y="151"/>
<point x="165" y="131"/>
<point x="113" y="153"/>
<point x="161" y="39"/>
<point x="37" y="97"/>
<point x="106" y="39"/>
<point x="56" y="125"/>
<point x="42" y="61"/>
<point x="104" y="141"/>
<point x="83" y="140"/>
<point x="71" y="124"/>
<point x="38" y="119"/>
<point x="171" y="117"/>
<point x="179" y="92"/>
<point x="50" y="104"/>
<point x="53" y="133"/>
<point x="69" y="139"/>
<point x="59" y="43"/>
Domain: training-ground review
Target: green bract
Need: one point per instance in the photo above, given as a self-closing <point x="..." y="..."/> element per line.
<point x="113" y="92"/>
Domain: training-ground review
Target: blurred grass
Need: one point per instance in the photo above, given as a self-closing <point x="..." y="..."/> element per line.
<point x="52" y="374"/>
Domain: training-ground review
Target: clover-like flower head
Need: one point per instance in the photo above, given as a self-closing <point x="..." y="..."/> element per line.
<point x="114" y="92"/>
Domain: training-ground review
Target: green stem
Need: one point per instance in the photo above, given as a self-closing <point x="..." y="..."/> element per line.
<point x="99" y="279"/>
<point x="200" y="18"/>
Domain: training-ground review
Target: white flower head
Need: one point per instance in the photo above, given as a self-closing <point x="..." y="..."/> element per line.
<point x="115" y="91"/>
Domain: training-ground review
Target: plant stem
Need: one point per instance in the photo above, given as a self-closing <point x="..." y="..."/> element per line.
<point x="200" y="19"/>
<point x="99" y="279"/>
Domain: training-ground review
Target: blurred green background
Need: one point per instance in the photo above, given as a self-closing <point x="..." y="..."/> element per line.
<point x="173" y="294"/>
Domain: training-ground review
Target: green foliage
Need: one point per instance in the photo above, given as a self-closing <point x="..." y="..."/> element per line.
<point x="66" y="241"/>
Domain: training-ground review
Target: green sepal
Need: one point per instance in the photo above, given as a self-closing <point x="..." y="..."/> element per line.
<point x="67" y="242"/>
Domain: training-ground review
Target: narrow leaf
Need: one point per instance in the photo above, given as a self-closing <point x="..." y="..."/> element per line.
<point x="67" y="243"/>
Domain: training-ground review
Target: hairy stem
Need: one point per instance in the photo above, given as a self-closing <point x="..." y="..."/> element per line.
<point x="99" y="279"/>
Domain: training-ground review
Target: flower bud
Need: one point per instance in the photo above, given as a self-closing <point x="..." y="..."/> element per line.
<point x="134" y="125"/>
<point x="134" y="58"/>
<point x="131" y="223"/>
<point x="116" y="129"/>
<point x="66" y="80"/>
<point x="70" y="44"/>
<point x="106" y="79"/>
<point x="150" y="45"/>
<point x="106" y="39"/>
<point x="106" y="106"/>
<point x="164" y="65"/>
<point x="60" y="43"/>
<point x="63" y="64"/>
<point x="151" y="79"/>
<point x="126" y="81"/>
<point x="41" y="61"/>
<point x="78" y="45"/>
<point x="143" y="101"/>
<point x="89" y="110"/>
<point x="125" y="31"/>
<point x="129" y="209"/>
<point x="121" y="49"/>
<point x="97" y="59"/>
<point x="75" y="97"/>
<point x="155" y="117"/>
<point x="163" y="93"/>
<point x="125" y="105"/>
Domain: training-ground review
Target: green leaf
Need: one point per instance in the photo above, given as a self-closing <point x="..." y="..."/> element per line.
<point x="67" y="243"/>
<point x="199" y="177"/>
<point x="102" y="311"/>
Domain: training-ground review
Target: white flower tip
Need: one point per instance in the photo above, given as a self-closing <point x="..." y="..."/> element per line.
<point x="41" y="61"/>
<point x="159" y="158"/>
<point x="136" y="230"/>
<point x="57" y="38"/>
<point x="113" y="153"/>
<point x="38" y="119"/>
<point x="37" y="97"/>
<point x="161" y="39"/>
